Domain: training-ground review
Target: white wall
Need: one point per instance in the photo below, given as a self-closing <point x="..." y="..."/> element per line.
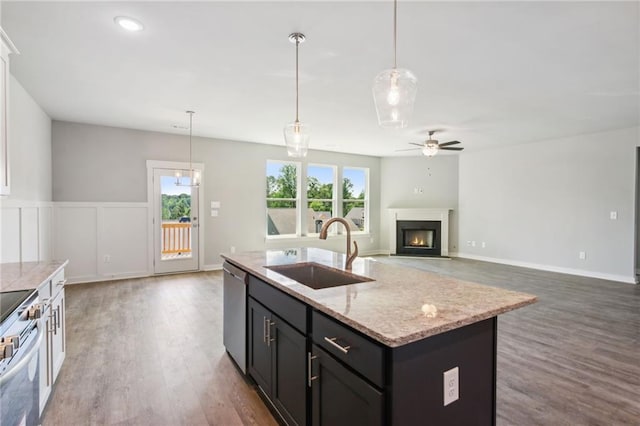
<point x="26" y="214"/>
<point x="93" y="165"/>
<point x="540" y="204"/>
<point x="436" y="177"/>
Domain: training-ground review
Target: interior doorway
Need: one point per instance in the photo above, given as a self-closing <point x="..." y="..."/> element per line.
<point x="175" y="218"/>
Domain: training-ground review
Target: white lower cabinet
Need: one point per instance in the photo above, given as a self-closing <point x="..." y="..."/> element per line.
<point x="52" y="348"/>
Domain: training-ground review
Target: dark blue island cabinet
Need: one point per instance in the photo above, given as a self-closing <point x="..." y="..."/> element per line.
<point x="312" y="369"/>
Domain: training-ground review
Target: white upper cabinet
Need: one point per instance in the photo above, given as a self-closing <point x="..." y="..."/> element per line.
<point x="6" y="48"/>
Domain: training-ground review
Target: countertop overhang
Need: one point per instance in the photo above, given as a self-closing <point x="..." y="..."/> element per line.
<point x="388" y="309"/>
<point x="27" y="275"/>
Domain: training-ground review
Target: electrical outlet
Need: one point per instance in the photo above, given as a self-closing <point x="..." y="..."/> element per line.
<point x="484" y="245"/>
<point x="469" y="243"/>
<point x="107" y="258"/>
<point x="582" y="255"/>
<point x="473" y="243"/>
<point x="451" y="386"/>
<point x="613" y="215"/>
<point x="233" y="249"/>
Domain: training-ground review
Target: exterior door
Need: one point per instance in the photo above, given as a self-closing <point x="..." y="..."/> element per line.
<point x="175" y="223"/>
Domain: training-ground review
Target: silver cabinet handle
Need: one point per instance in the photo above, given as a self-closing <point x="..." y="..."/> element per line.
<point x="269" y="339"/>
<point x="332" y="341"/>
<point x="310" y="378"/>
<point x="264" y="329"/>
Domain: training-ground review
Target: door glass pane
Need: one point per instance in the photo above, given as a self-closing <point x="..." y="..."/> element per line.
<point x="175" y="236"/>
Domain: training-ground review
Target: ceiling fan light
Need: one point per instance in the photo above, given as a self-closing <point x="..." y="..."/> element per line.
<point x="430" y="149"/>
<point x="394" y="93"/>
<point x="296" y="138"/>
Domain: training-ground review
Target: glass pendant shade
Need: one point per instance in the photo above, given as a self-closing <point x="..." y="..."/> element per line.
<point x="430" y="149"/>
<point x="296" y="137"/>
<point x="394" y="93"/>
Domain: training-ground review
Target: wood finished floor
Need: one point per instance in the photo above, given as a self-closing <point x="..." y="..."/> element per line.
<point x="149" y="352"/>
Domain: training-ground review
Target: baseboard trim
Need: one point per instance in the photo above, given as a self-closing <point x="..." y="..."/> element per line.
<point x="213" y="267"/>
<point x="111" y="277"/>
<point x="550" y="268"/>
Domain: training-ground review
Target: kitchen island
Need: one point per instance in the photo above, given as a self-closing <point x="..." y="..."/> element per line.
<point x="404" y="347"/>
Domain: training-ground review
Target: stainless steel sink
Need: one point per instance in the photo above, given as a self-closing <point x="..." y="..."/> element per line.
<point x="317" y="276"/>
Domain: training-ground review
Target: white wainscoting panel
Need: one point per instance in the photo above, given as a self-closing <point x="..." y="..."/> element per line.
<point x="10" y="234"/>
<point x="26" y="229"/>
<point x="29" y="225"/>
<point x="76" y="239"/>
<point x="101" y="240"/>
<point x="45" y="233"/>
<point x="123" y="241"/>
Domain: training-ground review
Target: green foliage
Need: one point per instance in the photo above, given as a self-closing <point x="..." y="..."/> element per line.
<point x="284" y="186"/>
<point x="175" y="206"/>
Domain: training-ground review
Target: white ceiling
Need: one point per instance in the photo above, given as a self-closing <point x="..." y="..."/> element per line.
<point x="489" y="73"/>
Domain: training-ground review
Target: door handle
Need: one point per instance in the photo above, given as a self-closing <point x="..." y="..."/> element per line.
<point x="310" y="378"/>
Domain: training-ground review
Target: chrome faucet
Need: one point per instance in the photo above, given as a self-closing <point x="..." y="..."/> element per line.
<point x="350" y="256"/>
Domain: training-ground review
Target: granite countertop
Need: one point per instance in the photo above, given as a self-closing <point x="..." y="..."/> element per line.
<point x="397" y="307"/>
<point x="27" y="275"/>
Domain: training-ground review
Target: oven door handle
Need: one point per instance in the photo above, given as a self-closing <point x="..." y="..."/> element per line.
<point x="25" y="358"/>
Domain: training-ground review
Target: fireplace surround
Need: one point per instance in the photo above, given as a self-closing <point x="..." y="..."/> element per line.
<point x="435" y="237"/>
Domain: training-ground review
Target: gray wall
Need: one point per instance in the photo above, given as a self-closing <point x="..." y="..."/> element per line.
<point x="105" y="164"/>
<point x="29" y="147"/>
<point x="436" y="176"/>
<point x="542" y="203"/>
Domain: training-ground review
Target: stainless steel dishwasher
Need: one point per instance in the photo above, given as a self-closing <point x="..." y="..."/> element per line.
<point x="235" y="314"/>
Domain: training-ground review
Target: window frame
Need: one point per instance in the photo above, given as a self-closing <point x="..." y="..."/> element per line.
<point x="365" y="201"/>
<point x="334" y="200"/>
<point x="302" y="201"/>
<point x="297" y="199"/>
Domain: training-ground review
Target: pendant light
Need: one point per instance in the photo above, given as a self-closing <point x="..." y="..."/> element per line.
<point x="194" y="175"/>
<point x="394" y="90"/>
<point x="296" y="134"/>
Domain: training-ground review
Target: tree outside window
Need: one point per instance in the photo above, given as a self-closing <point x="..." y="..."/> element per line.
<point x="321" y="197"/>
<point x="282" y="198"/>
<point x="355" y="199"/>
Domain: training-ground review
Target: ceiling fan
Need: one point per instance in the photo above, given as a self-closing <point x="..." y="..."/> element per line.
<point x="430" y="147"/>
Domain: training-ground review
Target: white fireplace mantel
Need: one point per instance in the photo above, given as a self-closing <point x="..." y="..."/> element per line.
<point x="421" y="214"/>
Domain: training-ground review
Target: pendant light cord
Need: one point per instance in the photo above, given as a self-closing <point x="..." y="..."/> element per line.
<point x="395" y="34"/>
<point x="297" y="43"/>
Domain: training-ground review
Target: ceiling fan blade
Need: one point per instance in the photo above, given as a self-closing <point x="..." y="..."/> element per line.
<point x="408" y="149"/>
<point x="451" y="148"/>
<point x="450" y="143"/>
<point x="417" y="144"/>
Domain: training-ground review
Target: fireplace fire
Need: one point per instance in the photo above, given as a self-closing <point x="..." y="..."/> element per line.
<point x="418" y="237"/>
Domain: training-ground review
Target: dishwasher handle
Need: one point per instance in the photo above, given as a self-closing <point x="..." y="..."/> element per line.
<point x="235" y="272"/>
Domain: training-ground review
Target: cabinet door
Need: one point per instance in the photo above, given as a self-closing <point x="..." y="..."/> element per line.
<point x="4" y="113"/>
<point x="58" y="335"/>
<point x="259" y="363"/>
<point x="340" y="397"/>
<point x="289" y="388"/>
<point x="45" y="359"/>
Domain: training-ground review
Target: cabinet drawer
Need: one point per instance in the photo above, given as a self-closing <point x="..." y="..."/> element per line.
<point x="57" y="282"/>
<point x="286" y="307"/>
<point x="360" y="353"/>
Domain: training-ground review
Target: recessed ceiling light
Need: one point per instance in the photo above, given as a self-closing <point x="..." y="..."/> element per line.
<point x="128" y="24"/>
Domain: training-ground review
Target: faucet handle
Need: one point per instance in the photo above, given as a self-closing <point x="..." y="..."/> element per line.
<point x="351" y="257"/>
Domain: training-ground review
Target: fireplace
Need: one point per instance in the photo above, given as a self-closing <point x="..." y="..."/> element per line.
<point x="418" y="237"/>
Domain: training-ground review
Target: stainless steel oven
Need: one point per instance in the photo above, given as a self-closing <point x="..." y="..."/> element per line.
<point x="20" y="337"/>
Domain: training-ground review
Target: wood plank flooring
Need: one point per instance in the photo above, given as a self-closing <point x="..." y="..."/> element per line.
<point x="149" y="352"/>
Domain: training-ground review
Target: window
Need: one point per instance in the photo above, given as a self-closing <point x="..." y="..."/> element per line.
<point x="283" y="185"/>
<point x="301" y="198"/>
<point x="321" y="196"/>
<point x="355" y="197"/>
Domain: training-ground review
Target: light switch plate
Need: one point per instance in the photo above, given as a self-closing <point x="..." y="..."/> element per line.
<point x="215" y="204"/>
<point x="613" y="215"/>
